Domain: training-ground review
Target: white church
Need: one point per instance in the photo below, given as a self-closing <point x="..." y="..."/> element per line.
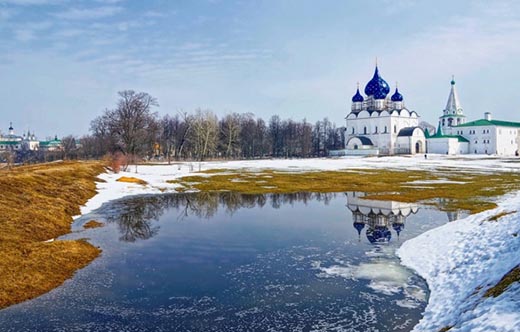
<point x="485" y="136"/>
<point x="379" y="124"/>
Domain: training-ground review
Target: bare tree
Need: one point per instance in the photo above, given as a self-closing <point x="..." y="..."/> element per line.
<point x="68" y="144"/>
<point x="204" y="134"/>
<point x="230" y="134"/>
<point x="174" y="134"/>
<point x="130" y="127"/>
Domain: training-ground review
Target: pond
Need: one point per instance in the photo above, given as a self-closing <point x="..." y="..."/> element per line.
<point x="231" y="262"/>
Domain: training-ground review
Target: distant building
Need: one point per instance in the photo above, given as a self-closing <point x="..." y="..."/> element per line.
<point x="380" y="124"/>
<point x="485" y="136"/>
<point x="11" y="142"/>
<point x="28" y="141"/>
<point x="51" y="145"/>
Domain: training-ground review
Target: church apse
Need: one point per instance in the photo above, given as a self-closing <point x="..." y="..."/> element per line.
<point x="380" y="218"/>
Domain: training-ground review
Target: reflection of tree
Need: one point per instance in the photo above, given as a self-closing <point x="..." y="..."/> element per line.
<point x="135" y="216"/>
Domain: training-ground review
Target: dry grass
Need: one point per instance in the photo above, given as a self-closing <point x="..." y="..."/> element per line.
<point x="510" y="278"/>
<point x="37" y="204"/>
<point x="93" y="224"/>
<point x="500" y="215"/>
<point x="446" y="328"/>
<point x="130" y="179"/>
<point x="476" y="194"/>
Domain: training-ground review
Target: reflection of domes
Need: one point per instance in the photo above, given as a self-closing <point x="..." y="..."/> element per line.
<point x="359" y="227"/>
<point x="377" y="86"/>
<point x="379" y="234"/>
<point x="398" y="227"/>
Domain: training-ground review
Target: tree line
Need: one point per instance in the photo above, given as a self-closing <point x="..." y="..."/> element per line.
<point x="133" y="128"/>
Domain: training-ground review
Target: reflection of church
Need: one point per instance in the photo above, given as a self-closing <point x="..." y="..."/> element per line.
<point x="380" y="217"/>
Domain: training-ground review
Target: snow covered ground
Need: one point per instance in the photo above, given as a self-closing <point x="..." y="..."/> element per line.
<point x="459" y="260"/>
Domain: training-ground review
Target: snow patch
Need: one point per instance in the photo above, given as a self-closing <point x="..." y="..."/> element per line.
<point x="460" y="261"/>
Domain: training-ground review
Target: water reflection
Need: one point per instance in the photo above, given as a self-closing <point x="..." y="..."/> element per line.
<point x="381" y="220"/>
<point x="135" y="218"/>
<point x="380" y="217"/>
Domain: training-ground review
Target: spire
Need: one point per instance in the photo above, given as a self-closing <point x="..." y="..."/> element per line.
<point x="11" y="126"/>
<point x="453" y="104"/>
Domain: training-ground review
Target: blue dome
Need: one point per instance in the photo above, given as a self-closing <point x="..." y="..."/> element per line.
<point x="380" y="94"/>
<point x="398" y="227"/>
<point x="397" y="96"/>
<point x="359" y="226"/>
<point x="357" y="97"/>
<point x="379" y="234"/>
<point x="377" y="86"/>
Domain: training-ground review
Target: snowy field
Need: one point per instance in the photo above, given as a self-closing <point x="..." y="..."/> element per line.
<point x="459" y="260"/>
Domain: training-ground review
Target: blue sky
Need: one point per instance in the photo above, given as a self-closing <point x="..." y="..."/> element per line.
<point x="63" y="61"/>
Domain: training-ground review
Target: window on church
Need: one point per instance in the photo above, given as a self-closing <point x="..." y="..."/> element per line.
<point x="376" y="129"/>
<point x="443" y="122"/>
<point x="386" y="130"/>
<point x="353" y="130"/>
<point x="395" y="129"/>
<point x="365" y="130"/>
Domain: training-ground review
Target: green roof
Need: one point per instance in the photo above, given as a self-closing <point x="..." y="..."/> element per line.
<point x="10" y="142"/>
<point x="52" y="142"/>
<point x="483" y="122"/>
<point x="458" y="137"/>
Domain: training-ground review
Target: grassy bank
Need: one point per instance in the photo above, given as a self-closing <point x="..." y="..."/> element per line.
<point x="448" y="189"/>
<point x="37" y="204"/>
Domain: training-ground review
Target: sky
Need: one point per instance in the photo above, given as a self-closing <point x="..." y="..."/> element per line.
<point x="62" y="62"/>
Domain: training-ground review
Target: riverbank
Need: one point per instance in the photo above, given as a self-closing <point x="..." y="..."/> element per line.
<point x="37" y="204"/>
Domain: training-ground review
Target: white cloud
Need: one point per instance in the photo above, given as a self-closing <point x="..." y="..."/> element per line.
<point x="464" y="43"/>
<point x="27" y="32"/>
<point x="6" y="14"/>
<point x="24" y="35"/>
<point x="155" y="14"/>
<point x="88" y="13"/>
<point x="31" y="2"/>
